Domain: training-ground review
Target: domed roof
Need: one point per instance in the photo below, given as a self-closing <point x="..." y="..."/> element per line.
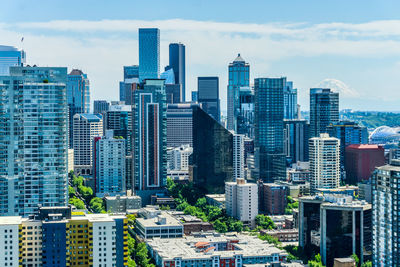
<point x="385" y="131"/>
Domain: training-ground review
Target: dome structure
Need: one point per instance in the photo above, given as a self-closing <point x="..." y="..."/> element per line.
<point x="385" y="135"/>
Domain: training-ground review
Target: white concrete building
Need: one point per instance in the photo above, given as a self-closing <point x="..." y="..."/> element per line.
<point x="9" y="240"/>
<point x="70" y="160"/>
<point x="178" y="158"/>
<point x="241" y="201"/>
<point x="109" y="165"/>
<point x="238" y="156"/>
<point x="86" y="127"/>
<point x="324" y="162"/>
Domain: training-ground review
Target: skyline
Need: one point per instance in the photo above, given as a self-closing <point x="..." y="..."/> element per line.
<point x="303" y="51"/>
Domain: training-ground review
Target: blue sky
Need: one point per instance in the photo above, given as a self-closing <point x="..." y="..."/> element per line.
<point x="353" y="45"/>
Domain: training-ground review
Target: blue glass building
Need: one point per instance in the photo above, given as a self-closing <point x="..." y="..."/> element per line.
<point x="149" y="120"/>
<point x="149" y="53"/>
<point x="10" y="56"/>
<point x="290" y="101"/>
<point x="131" y="75"/>
<point x="177" y="62"/>
<point x="269" y="128"/>
<point x="195" y="97"/>
<point x="324" y="110"/>
<point x="239" y="76"/>
<point x="33" y="139"/>
<point x="208" y="96"/>
<point x="78" y="97"/>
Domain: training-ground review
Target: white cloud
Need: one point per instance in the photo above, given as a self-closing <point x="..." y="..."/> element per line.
<point x="101" y="48"/>
<point x="338" y="86"/>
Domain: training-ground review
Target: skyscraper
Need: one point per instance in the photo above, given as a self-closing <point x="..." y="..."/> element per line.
<point x="324" y="110"/>
<point x="296" y="140"/>
<point x="180" y="124"/>
<point x="178" y="63"/>
<point x="10" y="56"/>
<point x="100" y="106"/>
<point x="208" y="95"/>
<point x="212" y="158"/>
<point x="290" y="101"/>
<point x="109" y="165"/>
<point x="78" y="97"/>
<point x="245" y="117"/>
<point x="349" y="133"/>
<point x="324" y="162"/>
<point x="149" y="120"/>
<point x="269" y="128"/>
<point x="149" y="53"/>
<point x="33" y="139"/>
<point x="131" y="72"/>
<point x="239" y="76"/>
<point x="86" y="127"/>
<point x="238" y="156"/>
<point x="385" y="207"/>
<point x="119" y="119"/>
<point x="131" y="76"/>
<point x="195" y="96"/>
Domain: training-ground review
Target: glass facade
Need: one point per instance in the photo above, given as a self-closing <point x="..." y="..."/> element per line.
<point x="296" y="140"/>
<point x="245" y="117"/>
<point x="212" y="158"/>
<point x="208" y="95"/>
<point x="269" y="128"/>
<point x="78" y="97"/>
<point x="177" y="62"/>
<point x="10" y="56"/>
<point x="324" y="110"/>
<point x="290" y="101"/>
<point x="33" y="139"/>
<point x="149" y="121"/>
<point x="149" y="53"/>
<point x="239" y="76"/>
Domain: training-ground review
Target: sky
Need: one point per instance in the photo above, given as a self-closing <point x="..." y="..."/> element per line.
<point x="350" y="46"/>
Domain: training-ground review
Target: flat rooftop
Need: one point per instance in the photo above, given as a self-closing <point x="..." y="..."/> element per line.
<point x="154" y="222"/>
<point x="185" y="248"/>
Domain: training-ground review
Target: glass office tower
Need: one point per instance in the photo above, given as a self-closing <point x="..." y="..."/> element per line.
<point x="33" y="139"/>
<point x="78" y="97"/>
<point x="212" y="158"/>
<point x="239" y="76"/>
<point x="208" y="96"/>
<point x="324" y="110"/>
<point x="178" y="64"/>
<point x="10" y="56"/>
<point x="149" y="53"/>
<point x="149" y="121"/>
<point x="290" y="101"/>
<point x="269" y="128"/>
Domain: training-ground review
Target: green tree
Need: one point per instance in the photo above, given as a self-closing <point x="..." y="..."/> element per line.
<point x="201" y="203"/>
<point x="77" y="203"/>
<point x="317" y="262"/>
<point x="355" y="258"/>
<point x="366" y="264"/>
<point x="237" y="226"/>
<point x="131" y="219"/>
<point x="71" y="191"/>
<point x="77" y="180"/>
<point x="270" y="239"/>
<point x="85" y="191"/>
<point x="220" y="226"/>
<point x="96" y="204"/>
<point x="265" y="222"/>
<point x="141" y="256"/>
<point x="131" y="263"/>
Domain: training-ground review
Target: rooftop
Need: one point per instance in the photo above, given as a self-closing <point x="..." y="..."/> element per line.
<point x="161" y="218"/>
<point x="10" y="220"/>
<point x="186" y="248"/>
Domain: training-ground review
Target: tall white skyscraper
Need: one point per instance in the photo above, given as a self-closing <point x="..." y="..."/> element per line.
<point x="9" y="57"/>
<point x="238" y="156"/>
<point x="33" y="139"/>
<point x="241" y="201"/>
<point x="324" y="162"/>
<point x="86" y="127"/>
<point x="109" y="164"/>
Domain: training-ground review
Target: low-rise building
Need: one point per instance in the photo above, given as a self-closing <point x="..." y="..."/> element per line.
<point x="344" y="262"/>
<point x="156" y="223"/>
<point x="273" y="198"/>
<point x="121" y="204"/>
<point x="217" y="200"/>
<point x="192" y="224"/>
<point x="283" y="235"/>
<point x="214" y="250"/>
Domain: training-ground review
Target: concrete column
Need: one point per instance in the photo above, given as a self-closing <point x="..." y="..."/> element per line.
<point x="362" y="237"/>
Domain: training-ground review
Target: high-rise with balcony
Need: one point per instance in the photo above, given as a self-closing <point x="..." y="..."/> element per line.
<point x="324" y="162"/>
<point x="33" y="139"/>
<point x="149" y="53"/>
<point x="385" y="215"/>
<point x="269" y="128"/>
<point x="149" y="121"/>
<point x="239" y="76"/>
<point x="177" y="62"/>
<point x="324" y="110"/>
<point x="238" y="156"/>
<point x="86" y="127"/>
<point x="10" y="56"/>
<point x="208" y="96"/>
<point x="78" y="97"/>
